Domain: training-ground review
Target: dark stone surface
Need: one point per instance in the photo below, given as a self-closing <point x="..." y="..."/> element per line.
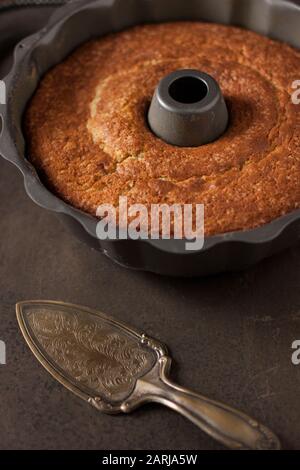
<point x="230" y="335"/>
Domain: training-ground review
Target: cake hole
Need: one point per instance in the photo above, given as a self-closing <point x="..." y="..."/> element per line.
<point x="188" y="90"/>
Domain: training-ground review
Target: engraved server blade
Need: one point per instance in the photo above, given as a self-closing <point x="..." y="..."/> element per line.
<point x="116" y="369"/>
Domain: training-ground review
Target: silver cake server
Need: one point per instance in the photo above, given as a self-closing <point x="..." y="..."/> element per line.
<point x="116" y="369"/>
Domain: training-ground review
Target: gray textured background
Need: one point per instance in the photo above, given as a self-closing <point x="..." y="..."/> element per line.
<point x="230" y="335"/>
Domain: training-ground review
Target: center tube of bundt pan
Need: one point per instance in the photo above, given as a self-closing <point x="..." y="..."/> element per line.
<point x="188" y="109"/>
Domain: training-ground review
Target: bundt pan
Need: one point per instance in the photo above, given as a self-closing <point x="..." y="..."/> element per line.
<point x="78" y="22"/>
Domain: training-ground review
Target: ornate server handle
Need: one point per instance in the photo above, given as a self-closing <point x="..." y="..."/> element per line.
<point x="231" y="427"/>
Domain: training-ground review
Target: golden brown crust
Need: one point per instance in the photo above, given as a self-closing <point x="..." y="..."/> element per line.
<point x="87" y="133"/>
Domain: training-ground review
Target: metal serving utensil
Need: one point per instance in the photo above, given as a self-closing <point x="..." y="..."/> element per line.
<point x="116" y="369"/>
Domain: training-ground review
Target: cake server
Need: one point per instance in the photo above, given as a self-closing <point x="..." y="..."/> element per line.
<point x="117" y="369"/>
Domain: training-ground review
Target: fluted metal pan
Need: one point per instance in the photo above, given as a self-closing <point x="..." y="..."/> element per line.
<point x="78" y="22"/>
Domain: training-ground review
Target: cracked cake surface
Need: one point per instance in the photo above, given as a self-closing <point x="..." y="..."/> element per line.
<point x="87" y="133"/>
